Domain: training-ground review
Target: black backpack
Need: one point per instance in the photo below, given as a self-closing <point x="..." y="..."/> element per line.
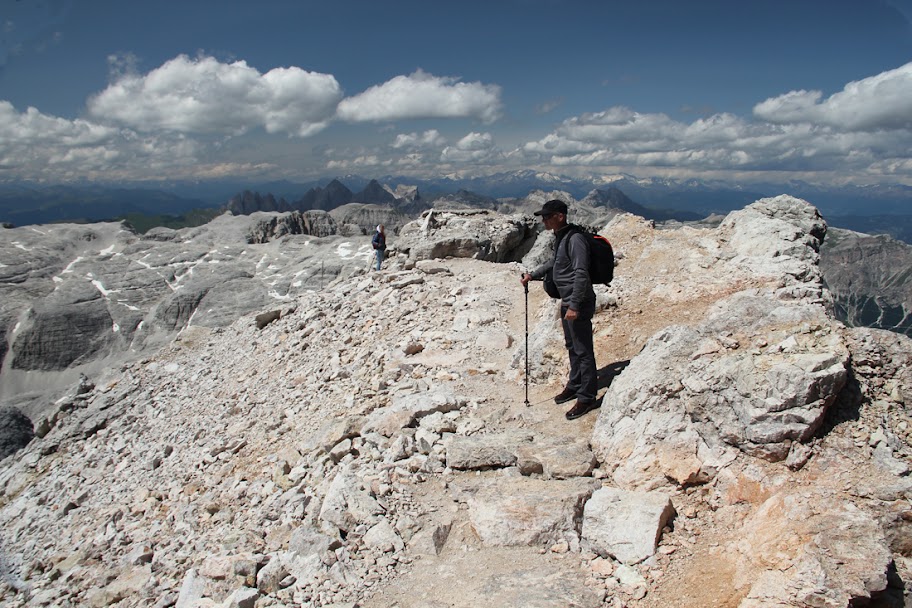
<point x="601" y="261"/>
<point x="601" y="257"/>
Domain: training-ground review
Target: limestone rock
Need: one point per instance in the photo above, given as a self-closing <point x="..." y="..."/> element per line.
<point x="526" y="511"/>
<point x="192" y="589"/>
<point x="757" y="373"/>
<point x="430" y="539"/>
<point x="815" y="551"/>
<point x="245" y="597"/>
<point x="269" y="578"/>
<point x="557" y="459"/>
<point x="625" y="525"/>
<point x="271" y="227"/>
<point x="366" y="217"/>
<point x="407" y="409"/>
<point x="756" y="399"/>
<point x="348" y="502"/>
<point x="383" y="536"/>
<point x="478" y="234"/>
<point x="305" y="463"/>
<point x="484" y="451"/>
<point x="127" y="585"/>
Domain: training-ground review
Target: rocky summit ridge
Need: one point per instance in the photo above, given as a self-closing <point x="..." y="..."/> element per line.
<point x="368" y="444"/>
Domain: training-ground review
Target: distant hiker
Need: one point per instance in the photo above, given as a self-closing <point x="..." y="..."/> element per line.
<point x="570" y="270"/>
<point x="379" y="244"/>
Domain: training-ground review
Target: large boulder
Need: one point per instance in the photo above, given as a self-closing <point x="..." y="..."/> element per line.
<point x="756" y="374"/>
<point x="779" y="238"/>
<point x="479" y="234"/>
<point x="811" y="551"/>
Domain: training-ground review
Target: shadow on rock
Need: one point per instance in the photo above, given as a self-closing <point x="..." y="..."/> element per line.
<point x="846" y="408"/>
<point x="608" y="373"/>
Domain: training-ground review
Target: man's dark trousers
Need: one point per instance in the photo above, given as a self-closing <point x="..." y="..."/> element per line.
<point x="578" y="339"/>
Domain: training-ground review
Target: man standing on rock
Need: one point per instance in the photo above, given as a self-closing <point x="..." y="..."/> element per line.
<point x="570" y="270"/>
<point x="379" y="244"/>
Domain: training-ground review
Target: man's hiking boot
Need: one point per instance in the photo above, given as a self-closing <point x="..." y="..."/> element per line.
<point x="580" y="408"/>
<point x="564" y="396"/>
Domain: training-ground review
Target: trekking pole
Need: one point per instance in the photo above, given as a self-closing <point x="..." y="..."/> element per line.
<point x="526" y="288"/>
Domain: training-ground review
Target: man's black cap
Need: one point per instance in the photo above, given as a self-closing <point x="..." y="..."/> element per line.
<point x="551" y="207"/>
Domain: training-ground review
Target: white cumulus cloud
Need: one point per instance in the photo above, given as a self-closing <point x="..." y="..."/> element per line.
<point x="35" y="128"/>
<point x="473" y="148"/>
<point x="53" y="149"/>
<point x="370" y="161"/>
<point x="419" y="141"/>
<point x="883" y="101"/>
<point x="205" y="96"/>
<point x="865" y="128"/>
<point x="423" y="95"/>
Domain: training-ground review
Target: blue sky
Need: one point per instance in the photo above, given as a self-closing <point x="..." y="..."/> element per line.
<point x="124" y="90"/>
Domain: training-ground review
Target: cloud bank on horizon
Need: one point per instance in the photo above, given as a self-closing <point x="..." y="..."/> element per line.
<point x="176" y="122"/>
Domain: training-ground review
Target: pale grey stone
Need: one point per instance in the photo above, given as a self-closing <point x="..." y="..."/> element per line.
<point x="245" y="597"/>
<point x="406" y="409"/>
<point x="479" y="234"/>
<point x="431" y="539"/>
<point x="484" y="451"/>
<point x="383" y="536"/>
<point x="629" y="576"/>
<point x="438" y="423"/>
<point x="884" y="458"/>
<point x="192" y="589"/>
<point x="824" y="551"/>
<point x="340" y="450"/>
<point x="525" y="511"/>
<point x="493" y="339"/>
<point x="303" y="569"/>
<point x="348" y="502"/>
<point x="307" y="541"/>
<point x="758" y="402"/>
<point x="402" y="447"/>
<point x="625" y="525"/>
<point x="128" y="584"/>
<point x="798" y="456"/>
<point x="557" y="459"/>
<point x="425" y="440"/>
<point x="270" y="576"/>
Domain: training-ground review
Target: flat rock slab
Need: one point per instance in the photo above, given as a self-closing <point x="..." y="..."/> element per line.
<point x="389" y="421"/>
<point x="514" y="511"/>
<point x="557" y="458"/>
<point x="625" y="525"/>
<point x="503" y="577"/>
<point x="494" y="450"/>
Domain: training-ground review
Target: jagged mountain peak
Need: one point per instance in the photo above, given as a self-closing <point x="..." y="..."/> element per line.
<point x="375" y="193"/>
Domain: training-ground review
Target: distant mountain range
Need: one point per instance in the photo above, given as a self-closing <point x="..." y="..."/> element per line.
<point x="21" y="206"/>
<point x="878" y="209"/>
